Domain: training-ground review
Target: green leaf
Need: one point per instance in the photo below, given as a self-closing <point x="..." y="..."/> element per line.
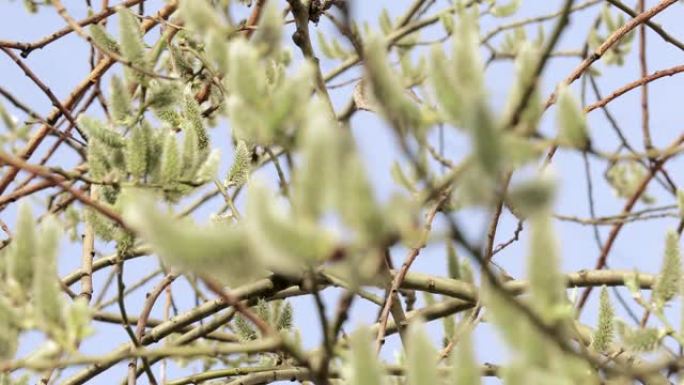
<point x="208" y="170"/>
<point x="525" y="62"/>
<point x="7" y="119"/>
<point x="78" y="317"/>
<point x="465" y="369"/>
<point x="571" y="120"/>
<point x="9" y="334"/>
<point x="46" y="291"/>
<point x="270" y="29"/>
<point x="531" y="197"/>
<point x="640" y="339"/>
<point x="200" y="15"/>
<point x="282" y="241"/>
<point x="246" y="77"/>
<point x="547" y="284"/>
<point x="680" y="202"/>
<point x="385" y="21"/>
<point x="421" y="360"/>
<point x="669" y="280"/>
<point x="389" y="93"/>
<point x="445" y="86"/>
<point x="365" y="369"/>
<point x="216" y="250"/>
<point x="603" y="336"/>
<point x="452" y="262"/>
<point x="447" y="21"/>
<point x="506" y="9"/>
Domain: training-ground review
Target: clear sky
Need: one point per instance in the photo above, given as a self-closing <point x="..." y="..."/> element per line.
<point x="63" y="64"/>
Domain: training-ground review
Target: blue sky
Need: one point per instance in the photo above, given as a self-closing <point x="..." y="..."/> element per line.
<point x="63" y="64"/>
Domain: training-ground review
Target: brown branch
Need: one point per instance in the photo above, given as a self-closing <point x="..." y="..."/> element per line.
<point x="26" y="48"/>
<point x="150" y="300"/>
<point x="643" y="69"/>
<point x="615" y="230"/>
<point x="46" y="90"/>
<point x="635" y="84"/>
<point x="59" y="180"/>
<point x="399" y="277"/>
<point x="609" y="42"/>
<point x="61" y="10"/>
<point x="102" y="67"/>
<point x="655" y="27"/>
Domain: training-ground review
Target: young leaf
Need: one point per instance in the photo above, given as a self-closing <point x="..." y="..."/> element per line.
<point x="446" y="86"/>
<point x="318" y="181"/>
<point x="532" y="197"/>
<point x="526" y="60"/>
<point x="216" y="250"/>
<point x="46" y="292"/>
<point x="669" y="280"/>
<point x="421" y="361"/>
<point x="284" y="242"/>
<point x="365" y="369"/>
<point x="389" y="93"/>
<point x="680" y="202"/>
<point x="603" y="336"/>
<point x="9" y="335"/>
<point x="453" y="266"/>
<point x="640" y="339"/>
<point x="571" y="120"/>
<point x="547" y="285"/>
<point x="506" y="9"/>
<point x="207" y="171"/>
<point x="465" y="368"/>
<point x="270" y="29"/>
<point x="78" y="319"/>
<point x="200" y="15"/>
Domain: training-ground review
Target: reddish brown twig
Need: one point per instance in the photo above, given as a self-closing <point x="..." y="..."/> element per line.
<point x="26" y="48"/>
<point x="401" y="274"/>
<point x="635" y="84"/>
<point x="609" y="42"/>
<point x="58" y="180"/>
<point x="615" y="230"/>
<point x="75" y="96"/>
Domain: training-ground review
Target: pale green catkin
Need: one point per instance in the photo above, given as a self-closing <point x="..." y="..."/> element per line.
<point x="669" y="279"/>
<point x="603" y="336"/>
